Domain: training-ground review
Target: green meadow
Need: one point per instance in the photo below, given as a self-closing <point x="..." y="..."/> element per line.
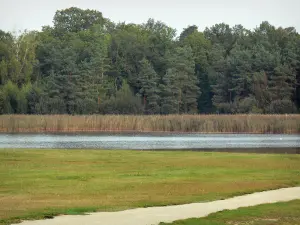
<point x="43" y="183"/>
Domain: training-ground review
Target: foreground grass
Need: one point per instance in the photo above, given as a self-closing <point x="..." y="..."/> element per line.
<point x="243" y="123"/>
<point x="43" y="183"/>
<point x="287" y="213"/>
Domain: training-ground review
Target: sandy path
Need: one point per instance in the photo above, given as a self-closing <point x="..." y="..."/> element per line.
<point x="154" y="215"/>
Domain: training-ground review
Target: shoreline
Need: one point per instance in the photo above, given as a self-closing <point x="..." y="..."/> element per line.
<point x="262" y="150"/>
<point x="97" y="131"/>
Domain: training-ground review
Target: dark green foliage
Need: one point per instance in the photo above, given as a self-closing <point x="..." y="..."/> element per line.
<point x="169" y="94"/>
<point x="86" y="64"/>
<point x="281" y="106"/>
<point x="33" y="100"/>
<point x="148" y="80"/>
<point x="187" y="32"/>
<point x="124" y="102"/>
<point x="182" y="70"/>
<point x="75" y="19"/>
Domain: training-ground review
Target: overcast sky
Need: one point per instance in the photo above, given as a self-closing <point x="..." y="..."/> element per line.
<point x="33" y="14"/>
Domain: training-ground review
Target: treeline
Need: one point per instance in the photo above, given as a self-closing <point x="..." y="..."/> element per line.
<point x="86" y="64"/>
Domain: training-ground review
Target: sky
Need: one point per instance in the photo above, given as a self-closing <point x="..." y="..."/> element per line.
<point x="18" y="15"/>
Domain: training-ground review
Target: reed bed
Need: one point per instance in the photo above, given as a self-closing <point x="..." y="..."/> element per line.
<point x="242" y="123"/>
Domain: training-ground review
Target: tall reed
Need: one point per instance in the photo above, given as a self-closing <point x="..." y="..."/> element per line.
<point x="242" y="123"/>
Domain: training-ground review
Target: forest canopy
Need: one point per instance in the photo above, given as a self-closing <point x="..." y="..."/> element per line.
<point x="87" y="64"/>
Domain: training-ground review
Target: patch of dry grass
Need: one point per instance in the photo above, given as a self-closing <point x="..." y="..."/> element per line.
<point x="53" y="181"/>
<point x="158" y="123"/>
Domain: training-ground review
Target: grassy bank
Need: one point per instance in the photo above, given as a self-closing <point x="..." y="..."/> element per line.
<point x="42" y="183"/>
<point x="289" y="124"/>
<point x="287" y="213"/>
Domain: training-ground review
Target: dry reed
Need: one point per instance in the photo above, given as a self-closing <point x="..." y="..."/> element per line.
<point x="242" y="123"/>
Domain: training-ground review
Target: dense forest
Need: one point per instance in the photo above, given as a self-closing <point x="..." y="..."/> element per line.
<point x="87" y="64"/>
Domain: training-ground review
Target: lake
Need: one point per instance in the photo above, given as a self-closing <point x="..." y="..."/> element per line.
<point x="150" y="141"/>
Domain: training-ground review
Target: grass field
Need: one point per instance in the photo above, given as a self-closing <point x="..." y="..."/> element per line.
<point x="247" y="123"/>
<point x="287" y="213"/>
<point x="42" y="183"/>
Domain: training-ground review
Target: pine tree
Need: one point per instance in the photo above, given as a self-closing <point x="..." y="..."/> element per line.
<point x="149" y="89"/>
<point x="169" y="93"/>
<point x="282" y="83"/>
<point x="182" y="65"/>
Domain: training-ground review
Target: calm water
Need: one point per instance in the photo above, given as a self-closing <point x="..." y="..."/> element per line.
<point x="149" y="141"/>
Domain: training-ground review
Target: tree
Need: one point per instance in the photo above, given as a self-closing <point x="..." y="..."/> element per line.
<point x="221" y="34"/>
<point x="201" y="48"/>
<point x="149" y="88"/>
<point x="10" y="98"/>
<point x="34" y="100"/>
<point x="75" y="19"/>
<point x="169" y="93"/>
<point x="282" y="83"/>
<point x="187" y="32"/>
<point x="222" y="80"/>
<point x="87" y="64"/>
<point x="127" y="49"/>
<point x="17" y="58"/>
<point x="182" y="65"/>
<point x="123" y="103"/>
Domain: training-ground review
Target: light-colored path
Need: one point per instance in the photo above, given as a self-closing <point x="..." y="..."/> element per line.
<point x="154" y="215"/>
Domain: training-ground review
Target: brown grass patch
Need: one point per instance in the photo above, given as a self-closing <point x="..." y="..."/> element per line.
<point x="157" y="123"/>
